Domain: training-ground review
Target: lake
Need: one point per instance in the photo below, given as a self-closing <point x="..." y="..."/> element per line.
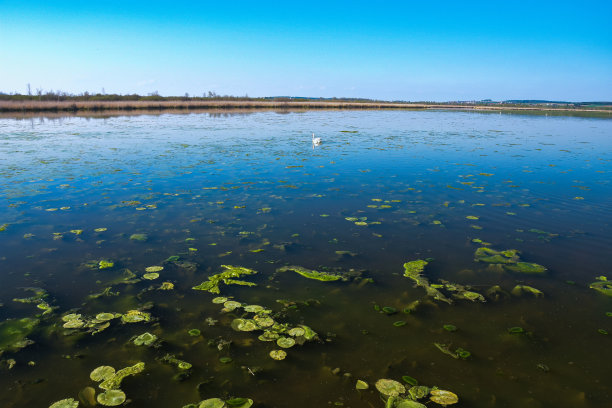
<point x="459" y="250"/>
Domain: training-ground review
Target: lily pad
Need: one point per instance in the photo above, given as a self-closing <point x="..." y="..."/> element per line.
<point x="296" y="332"/>
<point x="150" y="276"/>
<point x="212" y="403"/>
<point x="111" y="398"/>
<point x="154" y="268"/>
<point x="389" y="387"/>
<point x="253" y="308"/>
<point x="443" y="397"/>
<point x="232" y="305"/>
<point x="361" y="385"/>
<point x="219" y="300"/>
<point x="105" y="316"/>
<point x="65" y="403"/>
<point x="285" y="342"/>
<point x="145" y="339"/>
<point x="278" y="354"/>
<point x="239" y="403"/>
<point x="102" y="373"/>
<point x="135" y="316"/>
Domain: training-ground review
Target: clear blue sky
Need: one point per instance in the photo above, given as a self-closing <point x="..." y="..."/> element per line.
<point x="393" y="50"/>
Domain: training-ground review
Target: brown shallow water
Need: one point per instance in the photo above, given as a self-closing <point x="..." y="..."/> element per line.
<point x="228" y="185"/>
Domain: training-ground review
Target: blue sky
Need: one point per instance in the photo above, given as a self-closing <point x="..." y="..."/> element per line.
<point x="392" y="50"/>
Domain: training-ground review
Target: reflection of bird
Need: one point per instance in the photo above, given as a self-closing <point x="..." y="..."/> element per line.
<point x="315" y="141"/>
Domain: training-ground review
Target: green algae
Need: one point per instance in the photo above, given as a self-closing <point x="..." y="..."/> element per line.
<point x="139" y="237"/>
<point x="14" y="332"/>
<point x="311" y="274"/>
<point x="226" y="277"/>
<point x="527" y="268"/>
<point x="488" y="255"/>
<point x="519" y="290"/>
<point x="413" y="270"/>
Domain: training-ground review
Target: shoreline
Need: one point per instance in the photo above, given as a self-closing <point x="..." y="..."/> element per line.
<point x="118" y="107"/>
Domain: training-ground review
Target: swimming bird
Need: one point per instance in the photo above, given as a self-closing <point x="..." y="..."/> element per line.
<point x="315" y="141"/>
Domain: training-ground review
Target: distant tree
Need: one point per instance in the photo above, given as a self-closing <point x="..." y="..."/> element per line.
<point x="29" y="90"/>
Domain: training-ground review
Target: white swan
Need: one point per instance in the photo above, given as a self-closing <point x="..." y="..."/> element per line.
<point x="315" y="141"/>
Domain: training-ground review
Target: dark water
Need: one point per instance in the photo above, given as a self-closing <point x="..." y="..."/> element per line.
<point x="228" y="185"/>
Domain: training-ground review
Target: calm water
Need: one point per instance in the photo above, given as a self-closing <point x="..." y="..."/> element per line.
<point x="249" y="190"/>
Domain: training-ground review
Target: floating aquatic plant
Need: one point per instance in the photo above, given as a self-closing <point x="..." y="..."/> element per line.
<point x="114" y="382"/>
<point x="65" y="403"/>
<point x="111" y="398"/>
<point x="278" y="354"/>
<point x="285" y="342"/>
<point x="102" y="373"/>
<point x="413" y="270"/>
<point x="519" y="290"/>
<point x="145" y="339"/>
<point x="226" y="277"/>
<point x="105" y="264"/>
<point x="443" y="397"/>
<point x="410" y="380"/>
<point x="361" y="385"/>
<point x="602" y="285"/>
<point x="526" y="267"/>
<point x="194" y="332"/>
<point x="154" y="268"/>
<point x="311" y="274"/>
<point x="135" y="316"/>
<point x="139" y="237"/>
<point x="389" y="387"/>
<point x="450" y="327"/>
<point x="14" y="332"/>
<point x="150" y="276"/>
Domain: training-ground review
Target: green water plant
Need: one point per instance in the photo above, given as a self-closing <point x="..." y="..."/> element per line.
<point x="509" y="260"/>
<point x="602" y="285"/>
<point x="111" y="398"/>
<point x="14" y="332"/>
<point x="145" y="339"/>
<point x="519" y="290"/>
<point x="361" y="385"/>
<point x="226" y="277"/>
<point x="311" y="274"/>
<point x="180" y="364"/>
<point x="414" y="271"/>
<point x="114" y="382"/>
<point x="396" y="395"/>
<point x="65" y="403"/>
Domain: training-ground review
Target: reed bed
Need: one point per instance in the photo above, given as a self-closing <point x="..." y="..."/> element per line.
<point x="195" y="105"/>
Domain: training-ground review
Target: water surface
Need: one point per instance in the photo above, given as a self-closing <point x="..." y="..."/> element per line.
<point x="250" y="190"/>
